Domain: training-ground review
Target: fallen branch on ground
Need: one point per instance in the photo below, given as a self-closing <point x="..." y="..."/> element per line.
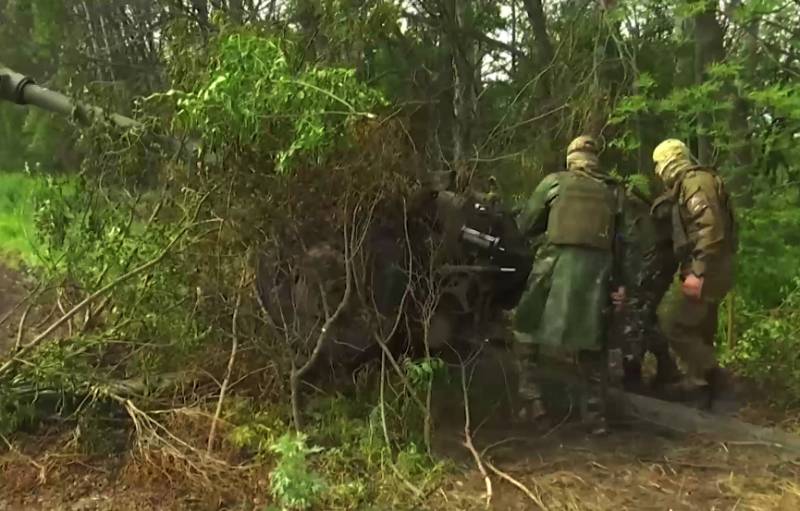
<point x="517" y="484"/>
<point x="42" y="475"/>
<point x="683" y="418"/>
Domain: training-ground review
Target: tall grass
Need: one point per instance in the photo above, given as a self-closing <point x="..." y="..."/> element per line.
<point x="17" y="232"/>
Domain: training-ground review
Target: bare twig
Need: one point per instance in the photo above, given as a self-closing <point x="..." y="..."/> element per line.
<point x="17" y="305"/>
<point x="63" y="311"/>
<point x="383" y="403"/>
<point x="561" y="423"/>
<point x="468" y="438"/>
<point x="231" y="359"/>
<point x="504" y="441"/>
<point x="517" y="484"/>
<point x="41" y="468"/>
<point x="381" y="339"/>
<point x="397" y="369"/>
<point x="350" y="245"/>
<point x="414" y="490"/>
<point x="21" y="328"/>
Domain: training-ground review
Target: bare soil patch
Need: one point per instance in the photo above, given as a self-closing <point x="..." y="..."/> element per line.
<point x="13" y="288"/>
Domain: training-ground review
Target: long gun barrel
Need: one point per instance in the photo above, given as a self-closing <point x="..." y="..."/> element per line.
<point x="23" y="90"/>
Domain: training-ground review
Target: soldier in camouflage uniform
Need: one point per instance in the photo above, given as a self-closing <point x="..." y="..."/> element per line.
<point x="648" y="272"/>
<point x="565" y="307"/>
<point x="704" y="239"/>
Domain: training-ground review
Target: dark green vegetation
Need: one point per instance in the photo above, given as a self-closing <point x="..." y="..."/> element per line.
<point x="321" y="116"/>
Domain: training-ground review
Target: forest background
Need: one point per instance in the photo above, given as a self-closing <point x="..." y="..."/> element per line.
<point x="347" y="99"/>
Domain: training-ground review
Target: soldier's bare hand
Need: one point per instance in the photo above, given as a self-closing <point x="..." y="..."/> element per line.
<point x="618" y="298"/>
<point x="693" y="286"/>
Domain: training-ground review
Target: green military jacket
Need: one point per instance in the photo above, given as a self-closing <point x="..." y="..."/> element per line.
<point x="647" y="246"/>
<point x="566" y="300"/>
<point x="704" y="229"/>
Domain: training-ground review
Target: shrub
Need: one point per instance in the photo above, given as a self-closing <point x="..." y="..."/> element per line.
<point x="767" y="294"/>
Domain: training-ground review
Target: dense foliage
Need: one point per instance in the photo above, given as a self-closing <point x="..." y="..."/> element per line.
<point x="315" y="118"/>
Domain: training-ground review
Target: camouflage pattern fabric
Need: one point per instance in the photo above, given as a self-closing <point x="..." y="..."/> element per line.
<point x="649" y="270"/>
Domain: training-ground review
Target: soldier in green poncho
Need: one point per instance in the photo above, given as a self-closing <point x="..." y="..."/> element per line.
<point x="576" y="216"/>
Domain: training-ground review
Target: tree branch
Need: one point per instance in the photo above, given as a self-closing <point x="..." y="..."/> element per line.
<point x="91" y="298"/>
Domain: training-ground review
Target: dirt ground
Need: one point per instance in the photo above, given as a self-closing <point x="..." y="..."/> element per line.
<point x="12" y="290"/>
<point x="636" y="467"/>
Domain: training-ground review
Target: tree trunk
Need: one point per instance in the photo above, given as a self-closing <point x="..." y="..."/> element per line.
<point x="544" y="47"/>
<point x="236" y="11"/>
<point x="742" y="150"/>
<point x="201" y="13"/>
<point x="464" y="96"/>
<point x="708" y="50"/>
<point x="308" y="19"/>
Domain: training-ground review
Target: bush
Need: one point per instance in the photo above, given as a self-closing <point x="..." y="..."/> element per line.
<point x="293" y="484"/>
<point x="767" y="294"/>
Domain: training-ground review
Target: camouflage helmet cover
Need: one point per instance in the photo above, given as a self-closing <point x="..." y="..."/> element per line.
<point x="582" y="154"/>
<point x="584" y="143"/>
<point x="667" y="154"/>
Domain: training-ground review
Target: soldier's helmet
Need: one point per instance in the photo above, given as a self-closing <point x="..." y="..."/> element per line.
<point x="667" y="154"/>
<point x="584" y="143"/>
<point x="582" y="154"/>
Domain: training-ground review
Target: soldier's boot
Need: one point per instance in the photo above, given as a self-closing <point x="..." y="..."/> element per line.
<point x="631" y="374"/>
<point x="531" y="407"/>
<point x="721" y="397"/>
<point x="593" y="405"/>
<point x="667" y="372"/>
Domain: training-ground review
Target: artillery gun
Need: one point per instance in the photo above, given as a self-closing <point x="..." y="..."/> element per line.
<point x="471" y="255"/>
<point x="478" y="263"/>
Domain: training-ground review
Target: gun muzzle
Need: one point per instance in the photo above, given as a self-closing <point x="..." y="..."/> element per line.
<point x="480" y="239"/>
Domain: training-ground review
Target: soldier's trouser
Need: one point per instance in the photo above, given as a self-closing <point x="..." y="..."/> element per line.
<point x="530" y="406"/>
<point x="527" y="355"/>
<point x="594" y="372"/>
<point x="690" y="325"/>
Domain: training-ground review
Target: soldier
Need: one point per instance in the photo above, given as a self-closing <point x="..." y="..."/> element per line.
<point x="575" y="214"/>
<point x="648" y="272"/>
<point x="704" y="240"/>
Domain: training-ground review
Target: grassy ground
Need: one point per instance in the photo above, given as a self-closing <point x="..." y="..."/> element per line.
<point x="17" y="240"/>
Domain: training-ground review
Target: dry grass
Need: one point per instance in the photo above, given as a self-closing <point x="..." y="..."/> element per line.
<point x="636" y="471"/>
